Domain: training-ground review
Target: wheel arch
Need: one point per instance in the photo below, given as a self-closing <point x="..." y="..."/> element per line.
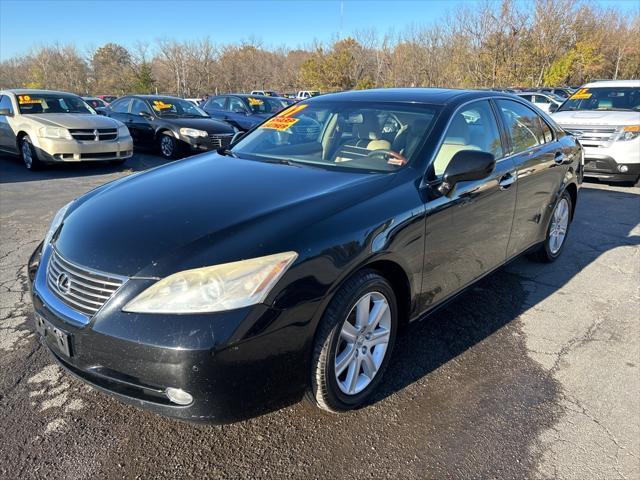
<point x="572" y="190"/>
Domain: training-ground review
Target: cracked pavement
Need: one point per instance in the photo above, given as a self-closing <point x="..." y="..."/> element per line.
<point x="533" y="373"/>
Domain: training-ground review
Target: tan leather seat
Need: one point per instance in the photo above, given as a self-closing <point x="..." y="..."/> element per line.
<point x="457" y="139"/>
<point x="366" y="138"/>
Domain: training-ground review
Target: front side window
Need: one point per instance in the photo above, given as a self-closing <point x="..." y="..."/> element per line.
<point x="541" y="99"/>
<point x="342" y="135"/>
<point x="5" y="103"/>
<point x="138" y="106"/>
<point x="523" y="125"/>
<point x="236" y="105"/>
<point x="474" y="127"/>
<point x="34" y="103"/>
<point x="603" y="98"/>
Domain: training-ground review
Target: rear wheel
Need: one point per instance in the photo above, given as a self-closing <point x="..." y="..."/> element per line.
<point x="557" y="232"/>
<point x="28" y="154"/>
<point x="353" y="344"/>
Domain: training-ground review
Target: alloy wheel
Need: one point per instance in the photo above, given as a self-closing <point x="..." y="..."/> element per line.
<point x="559" y="225"/>
<point x="364" y="338"/>
<point x="166" y="146"/>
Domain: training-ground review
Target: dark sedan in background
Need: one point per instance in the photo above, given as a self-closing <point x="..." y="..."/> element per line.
<point x="244" y="111"/>
<point x="225" y="285"/>
<point x="172" y="125"/>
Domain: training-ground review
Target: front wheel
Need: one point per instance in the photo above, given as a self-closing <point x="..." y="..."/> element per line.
<point x="29" y="154"/>
<point x="557" y="232"/>
<point x="168" y="146"/>
<point x="353" y="343"/>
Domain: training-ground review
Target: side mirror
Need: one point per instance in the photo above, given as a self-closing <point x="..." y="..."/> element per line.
<point x="466" y="165"/>
<point x="146" y="115"/>
<point x="237" y="136"/>
<point x="6" y="112"/>
<point x="240" y="110"/>
<point x="553" y="107"/>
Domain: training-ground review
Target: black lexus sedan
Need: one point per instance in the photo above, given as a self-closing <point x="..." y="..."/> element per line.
<point x="171" y="125"/>
<point x="232" y="283"/>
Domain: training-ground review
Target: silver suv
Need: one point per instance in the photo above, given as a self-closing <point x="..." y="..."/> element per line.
<point x="49" y="127"/>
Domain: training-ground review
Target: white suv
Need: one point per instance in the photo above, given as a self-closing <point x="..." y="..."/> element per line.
<point x="605" y="117"/>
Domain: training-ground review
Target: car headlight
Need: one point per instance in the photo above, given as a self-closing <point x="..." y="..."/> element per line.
<point x="54" y="132"/>
<point x="628" y="133"/>
<point x="193" y="132"/>
<point x="55" y="223"/>
<point x="123" y="131"/>
<point x="214" y="289"/>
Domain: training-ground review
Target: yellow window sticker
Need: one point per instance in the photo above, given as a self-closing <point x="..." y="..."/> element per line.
<point x="284" y="120"/>
<point x="581" y="94"/>
<point x="160" y="105"/>
<point x="255" y="101"/>
<point x="27" y="100"/>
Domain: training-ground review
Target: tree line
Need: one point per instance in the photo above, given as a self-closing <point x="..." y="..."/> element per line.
<point x="485" y="45"/>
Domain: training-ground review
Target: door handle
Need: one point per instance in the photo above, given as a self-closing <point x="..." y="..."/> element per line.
<point x="559" y="158"/>
<point x="507" y="180"/>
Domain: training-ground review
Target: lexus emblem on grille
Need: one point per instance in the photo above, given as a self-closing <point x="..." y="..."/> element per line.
<point x="96" y="134"/>
<point x="63" y="283"/>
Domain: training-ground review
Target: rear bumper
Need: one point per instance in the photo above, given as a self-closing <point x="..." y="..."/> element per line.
<point x="61" y="150"/>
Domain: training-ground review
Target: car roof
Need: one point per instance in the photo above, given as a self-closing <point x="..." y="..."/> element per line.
<point x="146" y="96"/>
<point x="32" y="91"/>
<point x="434" y="96"/>
<point x="613" y="83"/>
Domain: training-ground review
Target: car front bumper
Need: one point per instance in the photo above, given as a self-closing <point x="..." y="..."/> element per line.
<point x="62" y="150"/>
<point x="235" y="364"/>
<point x="615" y="161"/>
<point x="205" y="144"/>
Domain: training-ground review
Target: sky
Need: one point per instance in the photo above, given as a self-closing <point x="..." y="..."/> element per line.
<point x="88" y="24"/>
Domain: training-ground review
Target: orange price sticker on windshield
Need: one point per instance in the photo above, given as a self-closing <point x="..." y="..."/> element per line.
<point x="27" y="100"/>
<point x="254" y="101"/>
<point x="581" y="94"/>
<point x="284" y="119"/>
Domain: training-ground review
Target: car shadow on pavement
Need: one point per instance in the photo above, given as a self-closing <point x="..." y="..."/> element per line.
<point x="12" y="170"/>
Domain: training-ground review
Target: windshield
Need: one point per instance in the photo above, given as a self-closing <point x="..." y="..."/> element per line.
<point x="604" y="98"/>
<point x="34" y="103"/>
<point x="175" y="107"/>
<point x="265" y="105"/>
<point x="365" y="136"/>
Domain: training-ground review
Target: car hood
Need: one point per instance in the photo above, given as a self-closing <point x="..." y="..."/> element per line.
<point x="74" y="120"/>
<point x="134" y="226"/>
<point x="207" y="124"/>
<point x="596" y="117"/>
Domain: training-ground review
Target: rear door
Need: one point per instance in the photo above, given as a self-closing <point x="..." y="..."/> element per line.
<point x="468" y="230"/>
<point x="540" y="169"/>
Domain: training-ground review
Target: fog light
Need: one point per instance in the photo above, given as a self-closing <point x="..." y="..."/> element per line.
<point x="178" y="396"/>
<point x="623" y="168"/>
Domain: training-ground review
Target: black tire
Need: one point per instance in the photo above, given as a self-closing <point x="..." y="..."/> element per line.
<point x="323" y="390"/>
<point x="544" y="253"/>
<point x="168" y="146"/>
<point x="29" y="155"/>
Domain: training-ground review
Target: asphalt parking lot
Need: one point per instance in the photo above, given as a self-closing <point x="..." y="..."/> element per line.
<point x="534" y="373"/>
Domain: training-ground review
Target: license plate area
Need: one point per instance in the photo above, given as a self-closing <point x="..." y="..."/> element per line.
<point x="59" y="339"/>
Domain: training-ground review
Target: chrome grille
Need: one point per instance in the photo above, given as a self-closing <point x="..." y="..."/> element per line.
<point x="592" y="135"/>
<point x="90" y="134"/>
<point x="81" y="289"/>
<point x="220" y="140"/>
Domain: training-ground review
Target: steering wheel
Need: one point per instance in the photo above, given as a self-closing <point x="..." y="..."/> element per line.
<point x="395" y="158"/>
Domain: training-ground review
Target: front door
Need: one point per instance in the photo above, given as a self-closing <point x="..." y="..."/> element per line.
<point x="467" y="232"/>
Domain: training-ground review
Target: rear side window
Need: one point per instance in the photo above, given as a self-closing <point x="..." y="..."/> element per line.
<point x="217" y="103"/>
<point x="121" y="106"/>
<point x="473" y="127"/>
<point x="523" y="125"/>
